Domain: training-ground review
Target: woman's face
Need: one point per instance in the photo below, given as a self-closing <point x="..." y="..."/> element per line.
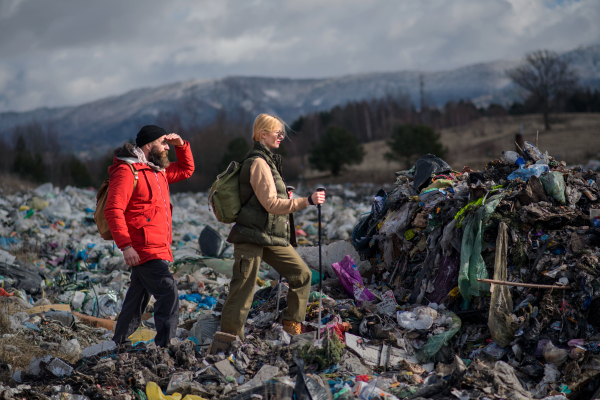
<point x="272" y="139"/>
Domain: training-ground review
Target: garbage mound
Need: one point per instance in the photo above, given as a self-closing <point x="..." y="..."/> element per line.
<point x="447" y="284"/>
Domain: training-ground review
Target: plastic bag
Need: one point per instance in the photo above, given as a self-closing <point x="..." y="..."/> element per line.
<point x="380" y="205"/>
<point x="526" y="173"/>
<point x="427" y="167"/>
<point x="78" y="300"/>
<point x="438" y="184"/>
<point x="360" y="234"/>
<point x="367" y="391"/>
<point x="396" y="222"/>
<point x="436" y="342"/>
<point x="554" y="184"/>
<point x="500" y="319"/>
<point x="306" y="387"/>
<point x="472" y="266"/>
<point x="555" y="355"/>
<point x="445" y="279"/>
<point x="142" y="335"/>
<point x="211" y="242"/>
<point x="153" y="392"/>
<point x="270" y="390"/>
<point x="351" y="280"/>
<point x="71" y="347"/>
<point x="420" y="318"/>
<point x="363" y="232"/>
<point x="551" y="375"/>
<point x="60" y="209"/>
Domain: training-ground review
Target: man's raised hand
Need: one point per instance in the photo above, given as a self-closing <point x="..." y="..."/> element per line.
<point x="174" y="139"/>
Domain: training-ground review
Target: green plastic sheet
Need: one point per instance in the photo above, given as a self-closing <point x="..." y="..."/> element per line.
<point x="554" y="185"/>
<point x="436" y="342"/>
<point x="472" y="266"/>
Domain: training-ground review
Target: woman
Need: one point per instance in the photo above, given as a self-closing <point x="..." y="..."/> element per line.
<point x="262" y="232"/>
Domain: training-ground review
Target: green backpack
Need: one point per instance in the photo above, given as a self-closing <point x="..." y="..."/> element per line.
<point x="224" y="195"/>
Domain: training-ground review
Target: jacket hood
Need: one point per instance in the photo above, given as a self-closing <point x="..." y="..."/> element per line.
<point x="131" y="154"/>
<point x="126" y="151"/>
<point x="126" y="154"/>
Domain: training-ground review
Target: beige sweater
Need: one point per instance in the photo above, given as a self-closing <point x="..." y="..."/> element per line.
<point x="263" y="184"/>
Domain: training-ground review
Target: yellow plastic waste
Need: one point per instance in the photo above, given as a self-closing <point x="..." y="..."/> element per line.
<point x="142" y="335"/>
<point x="439" y="184"/>
<point x="420" y="247"/>
<point x="409" y="234"/>
<point x="24" y="208"/>
<point x="153" y="392"/>
<point x="38" y="204"/>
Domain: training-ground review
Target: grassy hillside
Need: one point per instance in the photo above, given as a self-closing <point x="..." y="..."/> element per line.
<point x="574" y="138"/>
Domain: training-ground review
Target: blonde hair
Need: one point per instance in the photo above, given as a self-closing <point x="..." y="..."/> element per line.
<point x="266" y="123"/>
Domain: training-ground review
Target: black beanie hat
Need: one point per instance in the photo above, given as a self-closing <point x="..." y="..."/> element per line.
<point x="149" y="133"/>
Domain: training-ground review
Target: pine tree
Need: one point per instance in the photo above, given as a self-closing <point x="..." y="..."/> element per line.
<point x="336" y="149"/>
<point x="409" y="142"/>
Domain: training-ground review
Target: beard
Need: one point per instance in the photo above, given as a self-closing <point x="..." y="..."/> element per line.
<point x="159" y="158"/>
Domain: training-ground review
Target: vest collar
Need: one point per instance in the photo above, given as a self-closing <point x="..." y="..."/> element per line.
<point x="263" y="148"/>
<point x="275" y="158"/>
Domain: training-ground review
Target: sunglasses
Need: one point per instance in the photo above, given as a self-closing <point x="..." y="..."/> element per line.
<point x="280" y="134"/>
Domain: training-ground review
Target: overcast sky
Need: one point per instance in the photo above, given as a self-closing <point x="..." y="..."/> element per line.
<point x="67" y="52"/>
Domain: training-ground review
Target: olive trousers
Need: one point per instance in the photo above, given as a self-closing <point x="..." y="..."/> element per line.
<point x="286" y="262"/>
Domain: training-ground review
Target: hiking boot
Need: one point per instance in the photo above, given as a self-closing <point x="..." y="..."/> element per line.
<point x="291" y="327"/>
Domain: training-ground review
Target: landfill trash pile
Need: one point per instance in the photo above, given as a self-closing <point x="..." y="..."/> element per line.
<point x="471" y="284"/>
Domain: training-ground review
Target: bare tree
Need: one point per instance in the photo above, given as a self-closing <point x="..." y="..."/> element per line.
<point x="546" y="76"/>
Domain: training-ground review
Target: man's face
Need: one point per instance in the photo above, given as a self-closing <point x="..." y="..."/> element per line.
<point x="159" y="153"/>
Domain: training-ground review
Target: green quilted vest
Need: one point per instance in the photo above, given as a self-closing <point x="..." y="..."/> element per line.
<point x="254" y="224"/>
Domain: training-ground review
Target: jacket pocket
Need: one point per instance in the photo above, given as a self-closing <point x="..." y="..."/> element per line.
<point x="150" y="228"/>
<point x="144" y="218"/>
<point x="154" y="237"/>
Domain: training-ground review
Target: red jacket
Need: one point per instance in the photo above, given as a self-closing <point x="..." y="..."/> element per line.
<point x="142" y="219"/>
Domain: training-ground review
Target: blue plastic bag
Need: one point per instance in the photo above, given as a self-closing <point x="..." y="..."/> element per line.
<point x="526" y="173"/>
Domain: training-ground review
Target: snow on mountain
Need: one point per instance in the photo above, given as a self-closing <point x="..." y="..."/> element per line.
<point x="110" y="121"/>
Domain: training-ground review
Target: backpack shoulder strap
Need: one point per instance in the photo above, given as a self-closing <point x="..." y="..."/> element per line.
<point x="253" y="194"/>
<point x="135" y="175"/>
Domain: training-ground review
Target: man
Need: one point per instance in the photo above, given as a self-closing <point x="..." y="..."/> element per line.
<point x="140" y="223"/>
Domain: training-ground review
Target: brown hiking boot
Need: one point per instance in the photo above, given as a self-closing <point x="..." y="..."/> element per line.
<point x="291" y="327"/>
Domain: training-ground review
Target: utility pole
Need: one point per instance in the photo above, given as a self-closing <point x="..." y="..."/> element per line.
<point x="422" y="91"/>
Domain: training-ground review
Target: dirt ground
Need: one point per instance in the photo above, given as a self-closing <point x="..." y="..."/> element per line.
<point x="574" y="138"/>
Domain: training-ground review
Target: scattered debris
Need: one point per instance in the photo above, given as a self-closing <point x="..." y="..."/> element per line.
<point x="408" y="306"/>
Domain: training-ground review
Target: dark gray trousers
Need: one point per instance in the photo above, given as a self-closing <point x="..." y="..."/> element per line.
<point x="150" y="279"/>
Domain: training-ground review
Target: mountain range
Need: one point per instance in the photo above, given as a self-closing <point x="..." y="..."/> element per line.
<point x="110" y="121"/>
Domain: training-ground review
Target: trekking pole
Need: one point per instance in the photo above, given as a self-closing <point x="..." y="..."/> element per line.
<point x="320" y="189"/>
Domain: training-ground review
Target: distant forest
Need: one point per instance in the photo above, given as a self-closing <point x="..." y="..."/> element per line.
<point x="34" y="153"/>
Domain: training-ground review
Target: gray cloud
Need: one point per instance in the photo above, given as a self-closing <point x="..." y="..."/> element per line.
<point x="68" y="52"/>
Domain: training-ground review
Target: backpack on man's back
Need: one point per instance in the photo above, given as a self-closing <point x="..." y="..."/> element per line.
<point x="101" y="198"/>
